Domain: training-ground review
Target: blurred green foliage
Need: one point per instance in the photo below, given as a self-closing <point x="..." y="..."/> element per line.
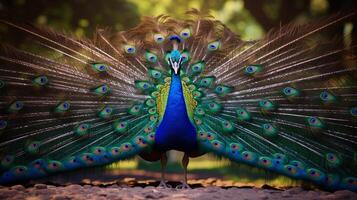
<point x="248" y="18"/>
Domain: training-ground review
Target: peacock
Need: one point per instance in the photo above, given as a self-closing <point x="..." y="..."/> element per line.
<point x="286" y="103"/>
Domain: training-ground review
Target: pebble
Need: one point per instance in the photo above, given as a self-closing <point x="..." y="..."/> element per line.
<point x="40" y="186"/>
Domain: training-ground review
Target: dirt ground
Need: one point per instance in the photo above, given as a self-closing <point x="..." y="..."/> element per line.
<point x="131" y="188"/>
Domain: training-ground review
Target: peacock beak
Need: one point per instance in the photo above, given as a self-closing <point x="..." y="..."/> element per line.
<point x="176" y="67"/>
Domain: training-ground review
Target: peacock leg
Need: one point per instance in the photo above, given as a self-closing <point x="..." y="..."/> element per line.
<point x="163" y="160"/>
<point x="185" y="161"/>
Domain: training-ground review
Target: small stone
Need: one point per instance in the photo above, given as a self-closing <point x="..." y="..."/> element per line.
<point x="285" y="194"/>
<point x="295" y="190"/>
<point x="18" y="188"/>
<point x="345" y="194"/>
<point x="74" y="187"/>
<point x="40" y="186"/>
<point x="263" y="197"/>
<point x="61" y="197"/>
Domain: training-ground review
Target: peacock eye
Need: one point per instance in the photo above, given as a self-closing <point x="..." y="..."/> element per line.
<point x="102" y="90"/>
<point x="62" y="107"/>
<point x="214" y="45"/>
<point x="159" y="38"/>
<point x="354" y="111"/>
<point x="2" y="84"/>
<point x="99" y="67"/>
<point x="150" y="57"/>
<point x="81" y="129"/>
<point x="185" y="56"/>
<point x="253" y="69"/>
<point x="40" y="80"/>
<point x="290" y="92"/>
<point x="315" y="122"/>
<point x="327" y="97"/>
<point x="3" y="124"/>
<point x="156" y="74"/>
<point x="185" y="33"/>
<point x="266" y="105"/>
<point x="15" y="106"/>
<point x="129" y="49"/>
<point x="198" y="67"/>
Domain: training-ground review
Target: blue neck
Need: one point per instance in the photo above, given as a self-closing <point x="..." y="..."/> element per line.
<point x="176" y="130"/>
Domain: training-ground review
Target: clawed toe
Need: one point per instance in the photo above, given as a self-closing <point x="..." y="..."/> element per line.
<point x="164" y="185"/>
<point x="183" y="185"/>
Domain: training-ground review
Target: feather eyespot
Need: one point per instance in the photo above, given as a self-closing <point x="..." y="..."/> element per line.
<point x="185" y="33"/>
<point x="40" y="80"/>
<point x="129" y="49"/>
<point x="213" y="46"/>
<point x="3" y="124"/>
<point x="159" y="38"/>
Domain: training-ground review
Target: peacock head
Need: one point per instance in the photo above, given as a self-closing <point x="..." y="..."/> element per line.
<point x="175" y="58"/>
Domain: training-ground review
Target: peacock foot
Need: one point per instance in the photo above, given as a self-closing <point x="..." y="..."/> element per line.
<point x="183" y="185"/>
<point x="164" y="185"/>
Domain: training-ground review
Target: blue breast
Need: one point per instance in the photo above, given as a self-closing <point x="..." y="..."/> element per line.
<point x="176" y="132"/>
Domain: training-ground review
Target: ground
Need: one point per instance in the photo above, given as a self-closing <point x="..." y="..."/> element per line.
<point x="131" y="188"/>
